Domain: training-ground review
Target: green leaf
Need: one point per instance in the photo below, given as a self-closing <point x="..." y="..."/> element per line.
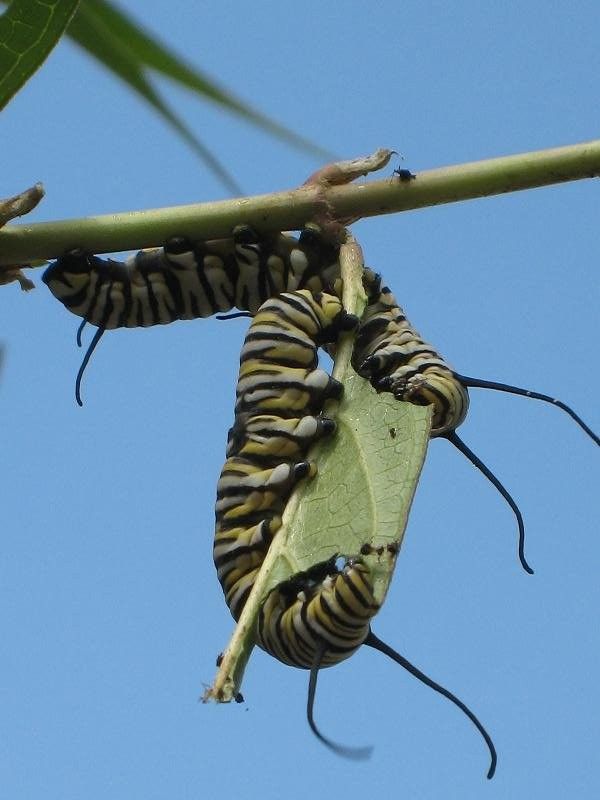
<point x="29" y="30"/>
<point x="92" y="30"/>
<point x="363" y="491"/>
<point x="151" y="53"/>
<point x="362" y="494"/>
<point x="112" y="37"/>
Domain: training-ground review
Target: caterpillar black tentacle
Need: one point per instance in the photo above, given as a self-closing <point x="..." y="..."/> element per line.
<point x="477" y="383"/>
<point x="88" y="354"/>
<point x="353" y="753"/>
<point x="454" y="439"/>
<point x="377" y="644"/>
<point x="79" y="332"/>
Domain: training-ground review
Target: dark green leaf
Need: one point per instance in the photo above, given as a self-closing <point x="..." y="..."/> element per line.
<point x="158" y="57"/>
<point x="29" y="29"/>
<point x="92" y="32"/>
<point x="119" y="30"/>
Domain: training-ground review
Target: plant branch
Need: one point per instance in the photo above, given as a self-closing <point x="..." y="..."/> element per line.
<point x="21" y="244"/>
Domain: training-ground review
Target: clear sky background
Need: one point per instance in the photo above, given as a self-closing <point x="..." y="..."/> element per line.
<point x="110" y="612"/>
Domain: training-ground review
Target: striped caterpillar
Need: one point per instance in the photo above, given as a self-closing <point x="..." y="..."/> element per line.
<point x="319" y="617"/>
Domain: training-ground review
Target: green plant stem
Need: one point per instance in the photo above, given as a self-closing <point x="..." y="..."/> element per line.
<point x="20" y="244"/>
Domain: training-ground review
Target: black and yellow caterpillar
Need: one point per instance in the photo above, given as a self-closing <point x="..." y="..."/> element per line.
<point x="319" y="617"/>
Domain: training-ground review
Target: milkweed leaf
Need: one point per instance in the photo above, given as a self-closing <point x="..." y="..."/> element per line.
<point x="367" y="476"/>
<point x="364" y="488"/>
<point x="29" y="30"/>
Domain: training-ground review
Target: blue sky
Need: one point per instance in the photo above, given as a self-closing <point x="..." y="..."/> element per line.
<point x="110" y="611"/>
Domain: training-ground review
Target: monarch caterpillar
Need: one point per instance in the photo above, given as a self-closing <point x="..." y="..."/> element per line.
<point x="322" y="616"/>
<point x="393" y="356"/>
<point x="185" y="281"/>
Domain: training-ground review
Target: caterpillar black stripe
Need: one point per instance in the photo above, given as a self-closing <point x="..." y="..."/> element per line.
<point x="322" y="616"/>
